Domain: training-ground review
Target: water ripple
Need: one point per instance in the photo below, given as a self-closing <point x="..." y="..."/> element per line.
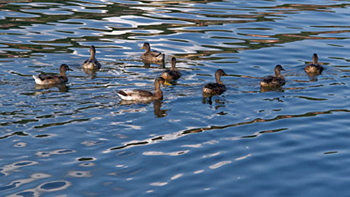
<point x="82" y="130"/>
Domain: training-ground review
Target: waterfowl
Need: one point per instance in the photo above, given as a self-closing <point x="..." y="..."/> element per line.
<point x="151" y="56"/>
<point x="215" y="88"/>
<point x="314" y="68"/>
<point x="274" y="81"/>
<point x="143" y="95"/>
<point x="92" y="63"/>
<point x="173" y="73"/>
<point x="53" y="79"/>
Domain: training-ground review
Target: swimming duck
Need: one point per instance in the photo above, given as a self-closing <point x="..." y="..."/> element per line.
<point x="53" y="79"/>
<point x="218" y="87"/>
<point x="173" y="73"/>
<point x="314" y="68"/>
<point x="143" y="95"/>
<point x="151" y="56"/>
<point x="274" y="81"/>
<point x="92" y="63"/>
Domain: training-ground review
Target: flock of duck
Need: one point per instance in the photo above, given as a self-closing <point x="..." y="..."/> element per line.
<point x="91" y="65"/>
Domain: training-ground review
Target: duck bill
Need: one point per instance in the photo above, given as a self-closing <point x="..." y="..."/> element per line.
<point x="167" y="83"/>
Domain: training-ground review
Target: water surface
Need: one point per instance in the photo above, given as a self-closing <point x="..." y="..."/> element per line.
<point x="82" y="140"/>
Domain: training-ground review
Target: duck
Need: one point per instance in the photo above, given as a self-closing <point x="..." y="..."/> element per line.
<point x="173" y="73"/>
<point x="92" y="63"/>
<point x="274" y="81"/>
<point x="143" y="95"/>
<point x="151" y="56"/>
<point x="53" y="79"/>
<point x="216" y="88"/>
<point x="314" y="67"/>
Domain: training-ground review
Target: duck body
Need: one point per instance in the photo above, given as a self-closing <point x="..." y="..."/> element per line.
<point x="143" y="95"/>
<point x="314" y="68"/>
<point x="173" y="73"/>
<point x="53" y="79"/>
<point x="91" y="63"/>
<point x="216" y="88"/>
<point x="274" y="81"/>
<point x="151" y="56"/>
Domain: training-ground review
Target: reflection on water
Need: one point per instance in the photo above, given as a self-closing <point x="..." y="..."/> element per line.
<point x="157" y="104"/>
<point x="61" y="87"/>
<point x="90" y="73"/>
<point x="312" y="76"/>
<point x="218" y="101"/>
<point x="58" y="138"/>
<point x="267" y="89"/>
<point x="147" y="64"/>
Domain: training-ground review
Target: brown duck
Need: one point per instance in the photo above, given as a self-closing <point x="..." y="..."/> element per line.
<point x="314" y="68"/>
<point x="53" y="79"/>
<point x="173" y="73"/>
<point x="143" y="95"/>
<point x="91" y="63"/>
<point x="274" y="81"/>
<point x="151" y="56"/>
<point x="215" y="88"/>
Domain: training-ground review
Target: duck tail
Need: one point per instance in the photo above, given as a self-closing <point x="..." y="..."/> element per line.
<point x="37" y="80"/>
<point x="121" y="92"/>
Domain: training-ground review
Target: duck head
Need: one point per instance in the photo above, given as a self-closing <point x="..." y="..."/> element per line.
<point x="64" y="68"/>
<point x="278" y="69"/>
<point x="146" y="46"/>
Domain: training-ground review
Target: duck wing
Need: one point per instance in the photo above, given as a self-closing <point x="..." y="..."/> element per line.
<point x="171" y="75"/>
<point x="143" y="93"/>
<point x="175" y="74"/>
<point x="134" y="94"/>
<point x="214" y="88"/>
<point x="155" y="53"/>
<point x="47" y="77"/>
<point x="278" y="81"/>
<point x="268" y="79"/>
<point x="273" y="81"/>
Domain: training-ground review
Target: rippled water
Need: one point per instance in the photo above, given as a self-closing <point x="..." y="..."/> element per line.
<point x="81" y="140"/>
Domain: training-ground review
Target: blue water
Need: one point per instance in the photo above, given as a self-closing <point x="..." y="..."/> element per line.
<point x="82" y="140"/>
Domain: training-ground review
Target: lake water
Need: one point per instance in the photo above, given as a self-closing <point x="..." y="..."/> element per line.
<point x="81" y="140"/>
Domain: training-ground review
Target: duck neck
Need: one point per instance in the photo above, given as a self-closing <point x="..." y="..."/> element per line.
<point x="63" y="72"/>
<point x="92" y="55"/>
<point x="218" y="79"/>
<point x="277" y="73"/>
<point x="158" y="92"/>
<point x="314" y="59"/>
<point x="173" y="65"/>
<point x="148" y="48"/>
